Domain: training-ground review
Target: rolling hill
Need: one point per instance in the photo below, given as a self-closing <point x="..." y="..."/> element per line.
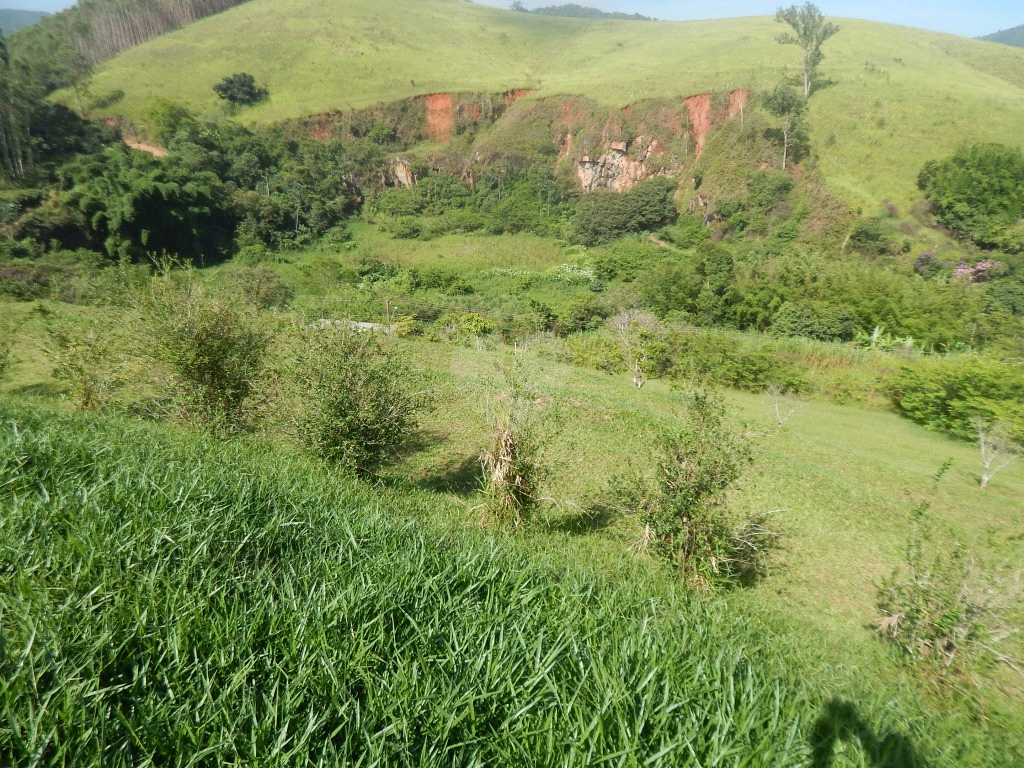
<point x="12" y="19"/>
<point x="1014" y="36"/>
<point x="893" y="97"/>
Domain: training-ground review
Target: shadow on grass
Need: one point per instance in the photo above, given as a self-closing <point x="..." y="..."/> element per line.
<point x="583" y="521"/>
<point x="841" y="722"/>
<point x="461" y="478"/>
<point x="45" y="389"/>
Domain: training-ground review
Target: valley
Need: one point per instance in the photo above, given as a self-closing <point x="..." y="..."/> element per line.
<point x="480" y="387"/>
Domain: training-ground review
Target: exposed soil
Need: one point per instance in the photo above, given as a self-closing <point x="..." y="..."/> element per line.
<point x="440" y="116"/>
<point x="152" y="149"/>
<point x="699" y="110"/>
<point x="737" y="102"/>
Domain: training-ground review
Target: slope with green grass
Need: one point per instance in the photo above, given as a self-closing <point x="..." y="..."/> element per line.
<point x="891" y="97"/>
<point x="166" y="601"/>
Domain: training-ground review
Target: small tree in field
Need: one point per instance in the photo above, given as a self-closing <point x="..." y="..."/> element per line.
<point x="214" y="348"/>
<point x="997" y="449"/>
<point x="240" y="89"/>
<point x="89" y="357"/>
<point x="810" y="30"/>
<point x="362" y="401"/>
<point x="636" y="333"/>
<point x="513" y="464"/>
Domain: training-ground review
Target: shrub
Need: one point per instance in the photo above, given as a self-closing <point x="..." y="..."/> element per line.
<point x="978" y="192"/>
<point x="682" y="509"/>
<point x="215" y="349"/>
<point x="261" y="287"/>
<point x="948" y="395"/>
<point x="362" y="401"/>
<point x="90" y="357"/>
<point x="513" y="465"/>
<point x="814" y="320"/>
<point x="6" y="347"/>
<point x="717" y="358"/>
<point x="604" y="215"/>
<point x="939" y="608"/>
<point x="868" y="238"/>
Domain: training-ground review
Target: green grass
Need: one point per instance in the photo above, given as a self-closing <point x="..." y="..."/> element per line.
<point x="170" y="602"/>
<point x="895" y="97"/>
<point x="841" y="480"/>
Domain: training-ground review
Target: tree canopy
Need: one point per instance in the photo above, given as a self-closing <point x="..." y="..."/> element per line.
<point x="978" y="193"/>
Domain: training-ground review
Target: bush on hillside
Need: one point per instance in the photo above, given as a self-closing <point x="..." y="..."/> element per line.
<point x="362" y="401"/>
<point x="941" y="607"/>
<point x="978" y="192"/>
<point x="604" y="215"/>
<point x="214" y="348"/>
<point x="949" y="395"/>
<point x="682" y="507"/>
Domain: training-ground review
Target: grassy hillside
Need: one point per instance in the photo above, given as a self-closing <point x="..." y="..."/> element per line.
<point x="1013" y="36"/>
<point x="896" y="96"/>
<point x="177" y="600"/>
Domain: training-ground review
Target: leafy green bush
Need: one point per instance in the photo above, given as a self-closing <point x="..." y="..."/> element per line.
<point x="604" y="215"/>
<point x="91" y="357"/>
<point x="214" y="348"/>
<point x="940" y="608"/>
<point x="240" y="88"/>
<point x="814" y="320"/>
<point x="261" y="287"/>
<point x="948" y="395"/>
<point x="978" y="192"/>
<point x="682" y="508"/>
<point x="362" y="401"/>
<point x="716" y="358"/>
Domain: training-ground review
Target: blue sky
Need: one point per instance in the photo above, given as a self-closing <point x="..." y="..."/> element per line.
<point x="970" y="19"/>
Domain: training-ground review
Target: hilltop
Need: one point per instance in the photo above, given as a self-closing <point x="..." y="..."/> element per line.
<point x="12" y="19"/>
<point x="1013" y="36"/>
<point x="893" y="97"/>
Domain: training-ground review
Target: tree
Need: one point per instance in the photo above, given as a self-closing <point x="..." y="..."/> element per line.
<point x="787" y="105"/>
<point x="810" y="30"/>
<point x="240" y="88"/>
<point x="636" y="333"/>
<point x="214" y="349"/>
<point x="997" y="449"/>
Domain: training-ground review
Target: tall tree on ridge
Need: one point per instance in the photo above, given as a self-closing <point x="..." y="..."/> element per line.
<point x="810" y="30"/>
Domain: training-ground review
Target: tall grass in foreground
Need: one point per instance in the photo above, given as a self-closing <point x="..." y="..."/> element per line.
<point x="163" y="603"/>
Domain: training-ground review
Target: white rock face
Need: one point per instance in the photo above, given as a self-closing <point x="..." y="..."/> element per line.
<point x="615" y="169"/>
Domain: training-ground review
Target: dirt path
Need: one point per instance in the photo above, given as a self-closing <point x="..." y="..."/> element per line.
<point x="152" y="149"/>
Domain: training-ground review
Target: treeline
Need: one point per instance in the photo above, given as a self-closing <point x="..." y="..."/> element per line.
<point x="98" y="30"/>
